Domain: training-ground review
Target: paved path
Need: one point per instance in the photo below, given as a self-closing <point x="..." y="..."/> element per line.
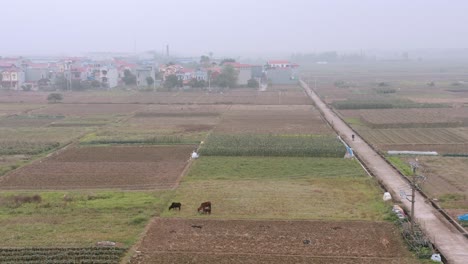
<point x="452" y="244"/>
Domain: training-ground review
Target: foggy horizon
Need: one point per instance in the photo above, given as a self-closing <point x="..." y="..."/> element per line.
<point x="191" y="28"/>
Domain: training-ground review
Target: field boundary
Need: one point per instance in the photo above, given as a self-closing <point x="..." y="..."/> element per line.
<point x="277" y="255"/>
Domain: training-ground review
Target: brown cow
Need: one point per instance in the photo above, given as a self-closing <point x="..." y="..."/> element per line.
<point x="205" y="208"/>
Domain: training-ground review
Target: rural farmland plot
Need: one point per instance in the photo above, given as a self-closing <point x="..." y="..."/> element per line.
<point x="234" y="241"/>
<point x="443" y="140"/>
<point x="290" y="120"/>
<point x="415" y="117"/>
<point x="267" y="156"/>
<point x="103" y="167"/>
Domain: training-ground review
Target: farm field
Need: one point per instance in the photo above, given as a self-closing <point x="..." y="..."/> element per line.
<point x="410" y="107"/>
<point x="447" y="181"/>
<point x="279" y="188"/>
<point x="17" y="108"/>
<point x="60" y="255"/>
<point x="20" y="145"/>
<point x="130" y="150"/>
<point x="103" y="167"/>
<point x="234" y="241"/>
<point x="272" y="120"/>
<point x="269" y="145"/>
<point x="234" y="96"/>
<point x="442" y="140"/>
<point x="87" y="109"/>
<point x="81" y="220"/>
<point x="413" y="117"/>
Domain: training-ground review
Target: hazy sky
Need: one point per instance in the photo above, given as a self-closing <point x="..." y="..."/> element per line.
<point x="194" y="27"/>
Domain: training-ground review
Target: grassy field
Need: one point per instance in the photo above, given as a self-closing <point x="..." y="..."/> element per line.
<point x="88" y="217"/>
<point x="271" y="168"/>
<point x="280" y="188"/>
<point x="271" y="145"/>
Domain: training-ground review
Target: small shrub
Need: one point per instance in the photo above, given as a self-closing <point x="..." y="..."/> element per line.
<point x="55" y="97"/>
<point x="385" y="90"/>
<point x="19" y="200"/>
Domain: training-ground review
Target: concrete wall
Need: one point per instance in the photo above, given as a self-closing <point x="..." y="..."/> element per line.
<point x="245" y="74"/>
<point x="34" y="74"/>
<point x="141" y="75"/>
<point x="282" y="76"/>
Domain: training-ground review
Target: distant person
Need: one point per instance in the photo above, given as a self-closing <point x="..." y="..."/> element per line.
<point x="352" y="136"/>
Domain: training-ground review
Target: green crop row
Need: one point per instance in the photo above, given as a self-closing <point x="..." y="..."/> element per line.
<point x="270" y="145"/>
<point x="26" y="148"/>
<point x="383" y="104"/>
<point x="62" y="255"/>
<point x="156" y="140"/>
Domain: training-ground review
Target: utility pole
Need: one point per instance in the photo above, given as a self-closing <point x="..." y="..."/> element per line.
<point x="414" y="185"/>
<point x="413" y="200"/>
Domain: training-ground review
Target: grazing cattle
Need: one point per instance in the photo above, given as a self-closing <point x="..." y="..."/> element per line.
<point x="175" y="205"/>
<point x="205" y="208"/>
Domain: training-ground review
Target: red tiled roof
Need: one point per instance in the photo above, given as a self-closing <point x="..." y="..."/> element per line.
<point x="278" y="62"/>
<point x="7" y="65"/>
<point x="38" y="65"/>
<point x="238" y="65"/>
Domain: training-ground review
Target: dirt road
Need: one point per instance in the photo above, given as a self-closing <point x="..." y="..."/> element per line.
<point x="452" y="244"/>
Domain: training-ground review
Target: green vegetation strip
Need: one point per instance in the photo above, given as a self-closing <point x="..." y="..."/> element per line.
<point x="62" y="255"/>
<point x="270" y="145"/>
<point x="156" y="140"/>
<point x="401" y="165"/>
<point x="383" y="104"/>
<point x="76" y="219"/>
<point x="25" y="147"/>
<point x="237" y="168"/>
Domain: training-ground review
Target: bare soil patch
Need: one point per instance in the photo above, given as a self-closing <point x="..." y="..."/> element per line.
<point x="415" y="117"/>
<point x="442" y="140"/>
<point x="103" y="167"/>
<point x="273" y="120"/>
<point x="223" y="241"/>
<point x="88" y="109"/>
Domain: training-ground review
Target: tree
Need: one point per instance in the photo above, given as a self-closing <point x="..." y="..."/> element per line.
<point x="171" y="81"/>
<point x="26" y="87"/>
<point x="149" y="80"/>
<point x="54" y="97"/>
<point x="129" y="78"/>
<point x="76" y="85"/>
<point x="61" y="82"/>
<point x="227" y="60"/>
<point x="205" y="60"/>
<point x="158" y="75"/>
<point x="95" y="84"/>
<point x="253" y="83"/>
<point x="227" y="78"/>
<point x="194" y="83"/>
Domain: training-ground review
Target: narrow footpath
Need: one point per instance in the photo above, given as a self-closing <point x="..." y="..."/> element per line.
<point x="451" y="243"/>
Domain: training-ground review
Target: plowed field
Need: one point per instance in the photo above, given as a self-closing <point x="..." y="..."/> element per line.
<point x="222" y="241"/>
<point x="272" y="120"/>
<point x="103" y="167"/>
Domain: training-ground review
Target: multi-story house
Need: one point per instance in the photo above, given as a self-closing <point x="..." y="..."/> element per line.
<point x="12" y="77"/>
<point x="142" y="74"/>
